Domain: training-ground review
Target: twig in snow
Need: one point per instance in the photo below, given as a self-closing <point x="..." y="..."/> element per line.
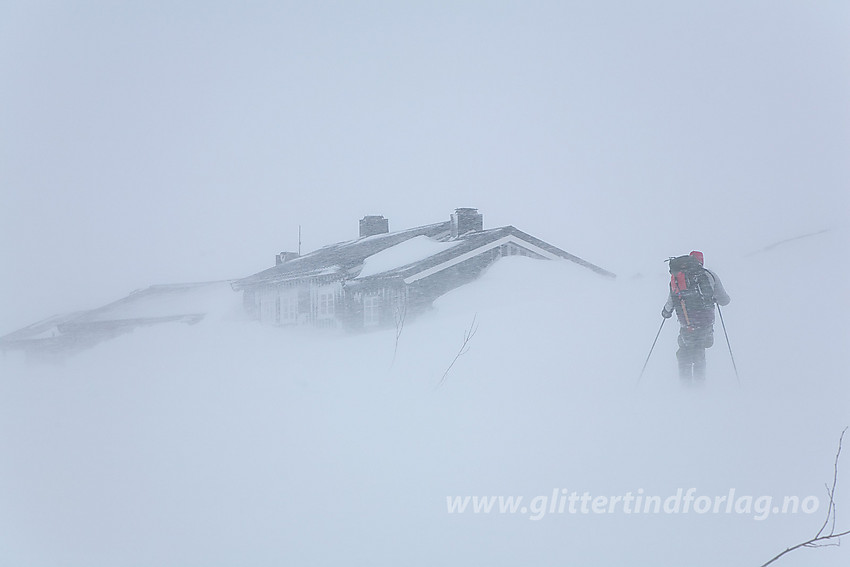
<point x="823" y="538"/>
<point x="399" y="315"/>
<point x="464" y="347"/>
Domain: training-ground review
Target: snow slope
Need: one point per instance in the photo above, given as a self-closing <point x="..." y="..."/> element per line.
<point x="230" y="443"/>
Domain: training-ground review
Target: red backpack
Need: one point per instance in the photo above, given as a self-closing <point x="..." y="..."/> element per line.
<point x="693" y="294"/>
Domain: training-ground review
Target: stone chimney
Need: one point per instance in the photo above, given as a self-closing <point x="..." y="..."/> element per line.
<point x="371" y="225"/>
<point x="466" y="220"/>
<point x="284" y="257"/>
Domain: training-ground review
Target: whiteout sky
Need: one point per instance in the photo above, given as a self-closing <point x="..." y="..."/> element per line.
<point x="161" y="142"/>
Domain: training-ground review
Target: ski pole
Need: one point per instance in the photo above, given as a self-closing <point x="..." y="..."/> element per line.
<point x="732" y="356"/>
<point x="651" y="349"/>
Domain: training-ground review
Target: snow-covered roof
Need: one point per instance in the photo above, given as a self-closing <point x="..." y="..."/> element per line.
<point x="343" y="258"/>
<point x="408" y="252"/>
<point x="155" y="304"/>
<point x="165" y="301"/>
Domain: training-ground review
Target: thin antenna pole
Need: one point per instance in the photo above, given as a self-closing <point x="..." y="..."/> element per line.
<point x="299" y="239"/>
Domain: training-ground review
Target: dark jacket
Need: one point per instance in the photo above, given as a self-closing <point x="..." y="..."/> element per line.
<point x="720" y="295"/>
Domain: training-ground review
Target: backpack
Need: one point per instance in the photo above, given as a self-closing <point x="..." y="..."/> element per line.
<point x="692" y="291"/>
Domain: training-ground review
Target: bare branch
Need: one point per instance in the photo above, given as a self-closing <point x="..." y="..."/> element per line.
<point x="823" y="538"/>
<point x="831" y="491"/>
<point x="810" y="543"/>
<point x="399" y="315"/>
<point x="464" y="347"/>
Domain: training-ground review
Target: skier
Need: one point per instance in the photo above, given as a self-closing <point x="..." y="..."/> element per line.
<point x="693" y="292"/>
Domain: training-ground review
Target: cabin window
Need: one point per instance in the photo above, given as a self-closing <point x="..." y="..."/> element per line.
<point x="288" y="308"/>
<point x="268" y="306"/>
<point x="326" y="304"/>
<point x="511" y="249"/>
<point x="371" y="310"/>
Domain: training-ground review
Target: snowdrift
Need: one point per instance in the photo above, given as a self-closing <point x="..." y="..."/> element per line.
<point x="230" y="443"/>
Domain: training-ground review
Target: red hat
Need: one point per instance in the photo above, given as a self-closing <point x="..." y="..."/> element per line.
<point x="698" y="255"/>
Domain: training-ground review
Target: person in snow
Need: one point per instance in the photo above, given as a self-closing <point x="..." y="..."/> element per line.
<point x="693" y="292"/>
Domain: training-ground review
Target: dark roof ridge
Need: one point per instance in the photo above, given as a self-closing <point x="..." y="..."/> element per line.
<point x="341" y="255"/>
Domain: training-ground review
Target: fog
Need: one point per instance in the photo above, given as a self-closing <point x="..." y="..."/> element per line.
<point x="154" y="143"/>
<point x="158" y="143"/>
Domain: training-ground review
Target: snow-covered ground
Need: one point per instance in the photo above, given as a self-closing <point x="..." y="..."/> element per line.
<point x="231" y="443"/>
